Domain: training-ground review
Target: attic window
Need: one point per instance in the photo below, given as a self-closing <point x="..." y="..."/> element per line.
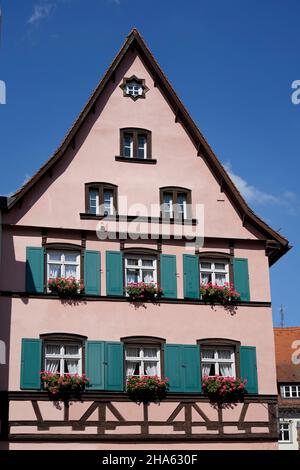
<point x="134" y="87"/>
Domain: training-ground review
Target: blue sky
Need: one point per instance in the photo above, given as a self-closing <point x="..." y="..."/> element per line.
<point x="232" y="63"/>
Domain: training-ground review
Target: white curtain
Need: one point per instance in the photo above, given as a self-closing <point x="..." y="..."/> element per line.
<point x="72" y="366"/>
<point x="150" y="352"/>
<point x="205" y="369"/>
<point x="132" y="368"/>
<point x="54" y="270"/>
<point x="208" y="354"/>
<point x="52" y="365"/>
<point x="205" y="278"/>
<point x="224" y="354"/>
<point x="148" y="277"/>
<point x="71" y="350"/>
<point x="150" y="368"/>
<point x="132" y="275"/>
<point x="53" y="349"/>
<point x="220" y="279"/>
<point x="225" y="370"/>
<point x="70" y="270"/>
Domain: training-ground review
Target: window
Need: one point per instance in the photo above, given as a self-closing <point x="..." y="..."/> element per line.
<point x="63" y="264"/>
<point x="175" y="203"/>
<point x="135" y="143"/>
<point x="290" y="391"/>
<point x="142" y="360"/>
<point x="140" y="268"/>
<point x="214" y="271"/>
<point x="63" y="358"/>
<point x="101" y="198"/>
<point x="134" y="88"/>
<point x="284" y="432"/>
<point x="218" y="361"/>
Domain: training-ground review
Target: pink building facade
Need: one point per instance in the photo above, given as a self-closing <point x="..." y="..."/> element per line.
<point x="134" y="150"/>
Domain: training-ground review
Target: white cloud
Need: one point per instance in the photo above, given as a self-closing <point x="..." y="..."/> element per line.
<point x="40" y="12"/>
<point x="257" y="196"/>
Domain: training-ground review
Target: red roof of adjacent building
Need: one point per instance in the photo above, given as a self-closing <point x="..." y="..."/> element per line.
<point x="287" y="349"/>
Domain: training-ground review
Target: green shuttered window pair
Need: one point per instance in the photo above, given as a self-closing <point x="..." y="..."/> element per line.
<point x="191" y="280"/>
<point x="35" y="271"/>
<point x="103" y="362"/>
<point x="115" y="274"/>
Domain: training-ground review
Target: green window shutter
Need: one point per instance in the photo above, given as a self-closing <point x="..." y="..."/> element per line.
<point x="249" y="368"/>
<point x="173" y="367"/>
<point x="114" y="360"/>
<point x="168" y="278"/>
<point x="241" y="277"/>
<point x="94" y="364"/>
<point x="34" y="269"/>
<point x="92" y="272"/>
<point x="191" y="277"/>
<point x="114" y="274"/>
<point x="191" y="363"/>
<point x="31" y="364"/>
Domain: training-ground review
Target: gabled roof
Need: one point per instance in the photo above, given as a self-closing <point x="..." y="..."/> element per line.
<point x="287" y="371"/>
<point x="277" y="245"/>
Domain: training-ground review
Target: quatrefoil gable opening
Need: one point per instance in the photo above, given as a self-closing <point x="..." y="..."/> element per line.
<point x="134" y="87"/>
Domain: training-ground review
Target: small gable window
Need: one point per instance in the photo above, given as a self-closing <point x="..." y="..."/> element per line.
<point x="175" y="203"/>
<point x="134" y="87"/>
<point x="101" y="199"/>
<point x="135" y="144"/>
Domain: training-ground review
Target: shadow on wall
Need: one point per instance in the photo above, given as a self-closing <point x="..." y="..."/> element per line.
<point x="7" y="262"/>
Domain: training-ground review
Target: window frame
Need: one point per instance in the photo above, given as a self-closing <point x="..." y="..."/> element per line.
<point x="175" y="191"/>
<point x="140" y="257"/>
<point x="136" y="132"/>
<point x="219" y="343"/>
<point x="289" y="424"/>
<point x="150" y="252"/>
<point x="101" y="187"/>
<point x="213" y="271"/>
<point x="213" y="256"/>
<point x="63" y="263"/>
<point x="138" y="341"/>
<point x="62" y="247"/>
<point x="140" y="81"/>
<point x="65" y="339"/>
<point x="290" y="385"/>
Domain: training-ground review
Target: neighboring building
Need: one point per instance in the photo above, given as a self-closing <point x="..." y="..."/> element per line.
<point x="135" y="139"/>
<point x="287" y="348"/>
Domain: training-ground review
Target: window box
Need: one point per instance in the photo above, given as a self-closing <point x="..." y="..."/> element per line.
<point x="140" y="291"/>
<point x="214" y="293"/>
<point x="65" y="287"/>
<point x="62" y="385"/>
<point x="147" y="389"/>
<point x="219" y="388"/>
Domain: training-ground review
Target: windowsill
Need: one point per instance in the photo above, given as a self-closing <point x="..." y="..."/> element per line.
<point x="140" y="218"/>
<point x="149" y="161"/>
<point x="104" y="298"/>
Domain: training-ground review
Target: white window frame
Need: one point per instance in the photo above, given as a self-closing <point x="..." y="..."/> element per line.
<point x="111" y="201"/>
<point x="213" y="270"/>
<point x="183" y="206"/>
<point x="144" y="147"/>
<point x="134" y="88"/>
<point x="97" y="200"/>
<point x="288" y="424"/>
<point x="140" y="266"/>
<point x="62" y="357"/>
<point x="142" y="358"/>
<point x="63" y="263"/>
<point x="128" y="134"/>
<point x="217" y="361"/>
<point x="168" y="206"/>
<point x="286" y="391"/>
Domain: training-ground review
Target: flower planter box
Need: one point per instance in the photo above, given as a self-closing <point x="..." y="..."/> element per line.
<point x="213" y="293"/>
<point x="65" y="287"/>
<point x="147" y="389"/>
<point x="224" y="389"/>
<point x="141" y="292"/>
<point x="62" y="386"/>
